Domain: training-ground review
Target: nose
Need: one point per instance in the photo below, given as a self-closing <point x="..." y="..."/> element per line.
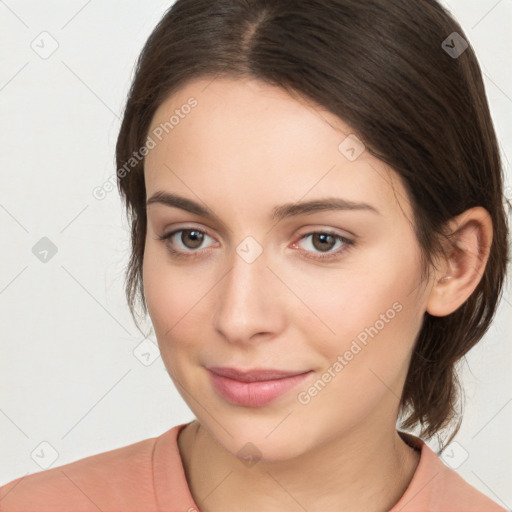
<point x="249" y="301"/>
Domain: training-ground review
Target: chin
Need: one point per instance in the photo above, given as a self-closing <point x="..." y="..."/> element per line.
<point x="253" y="439"/>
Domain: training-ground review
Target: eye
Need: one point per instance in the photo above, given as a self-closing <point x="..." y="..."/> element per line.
<point x="187" y="243"/>
<point x="325" y="241"/>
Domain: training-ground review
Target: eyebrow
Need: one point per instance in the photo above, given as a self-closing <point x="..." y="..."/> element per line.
<point x="278" y="212"/>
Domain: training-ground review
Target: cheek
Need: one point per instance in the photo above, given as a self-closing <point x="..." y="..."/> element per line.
<point x="158" y="290"/>
<point x="366" y="363"/>
<point x="176" y="297"/>
<point x="354" y="299"/>
<point x="374" y="313"/>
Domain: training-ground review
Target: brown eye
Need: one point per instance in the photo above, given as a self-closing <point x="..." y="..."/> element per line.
<point x="323" y="241"/>
<point x="324" y="245"/>
<point x="191" y="238"/>
<point x="185" y="242"/>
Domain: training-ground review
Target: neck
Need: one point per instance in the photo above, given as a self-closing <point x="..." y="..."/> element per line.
<point x="357" y="471"/>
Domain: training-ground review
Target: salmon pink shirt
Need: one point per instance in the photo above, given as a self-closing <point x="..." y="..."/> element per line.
<point x="148" y="476"/>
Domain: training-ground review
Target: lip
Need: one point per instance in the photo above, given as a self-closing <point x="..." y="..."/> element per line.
<point x="253" y="388"/>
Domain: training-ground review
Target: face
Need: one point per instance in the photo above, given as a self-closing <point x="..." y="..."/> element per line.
<point x="329" y="295"/>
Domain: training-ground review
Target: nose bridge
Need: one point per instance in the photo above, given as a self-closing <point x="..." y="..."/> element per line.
<point x="244" y="306"/>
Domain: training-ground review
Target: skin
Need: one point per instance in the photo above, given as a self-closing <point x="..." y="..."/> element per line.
<point x="245" y="148"/>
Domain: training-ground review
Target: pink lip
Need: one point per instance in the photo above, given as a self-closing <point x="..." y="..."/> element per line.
<point x="253" y="388"/>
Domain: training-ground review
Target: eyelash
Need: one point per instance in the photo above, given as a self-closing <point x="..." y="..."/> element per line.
<point x="322" y="257"/>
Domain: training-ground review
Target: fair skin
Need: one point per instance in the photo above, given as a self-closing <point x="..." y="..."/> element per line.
<point x="244" y="149"/>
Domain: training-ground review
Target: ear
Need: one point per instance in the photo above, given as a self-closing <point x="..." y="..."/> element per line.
<point x="461" y="268"/>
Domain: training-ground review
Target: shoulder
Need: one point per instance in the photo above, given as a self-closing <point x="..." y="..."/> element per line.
<point x="453" y="490"/>
<point x="120" y="478"/>
<point x="439" y="488"/>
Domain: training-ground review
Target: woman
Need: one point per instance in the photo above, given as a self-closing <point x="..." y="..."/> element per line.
<point x="318" y="236"/>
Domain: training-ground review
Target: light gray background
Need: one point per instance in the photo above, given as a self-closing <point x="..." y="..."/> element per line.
<point x="73" y="371"/>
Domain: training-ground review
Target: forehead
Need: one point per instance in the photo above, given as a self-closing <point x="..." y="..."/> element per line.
<point x="247" y="139"/>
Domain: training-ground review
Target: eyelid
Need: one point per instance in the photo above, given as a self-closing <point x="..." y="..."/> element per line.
<point x="318" y="228"/>
<point x="186" y="227"/>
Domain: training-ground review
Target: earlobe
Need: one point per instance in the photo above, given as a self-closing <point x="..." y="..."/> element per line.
<point x="463" y="264"/>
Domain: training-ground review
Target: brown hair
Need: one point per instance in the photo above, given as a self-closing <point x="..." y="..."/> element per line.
<point x="380" y="67"/>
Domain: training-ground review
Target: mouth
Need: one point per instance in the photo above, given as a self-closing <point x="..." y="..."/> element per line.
<point x="256" y="387"/>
